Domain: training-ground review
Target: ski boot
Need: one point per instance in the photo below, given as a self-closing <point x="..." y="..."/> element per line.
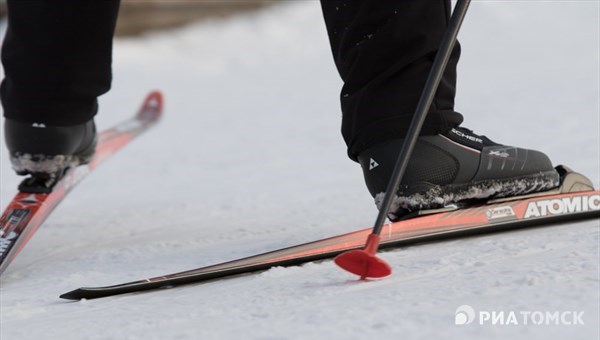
<point x="455" y="168"/>
<point x="45" y="152"/>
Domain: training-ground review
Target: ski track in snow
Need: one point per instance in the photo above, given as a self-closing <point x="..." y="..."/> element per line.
<point x="249" y="158"/>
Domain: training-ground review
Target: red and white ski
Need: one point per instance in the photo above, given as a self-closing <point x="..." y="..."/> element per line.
<point x="33" y="204"/>
<point x="574" y="200"/>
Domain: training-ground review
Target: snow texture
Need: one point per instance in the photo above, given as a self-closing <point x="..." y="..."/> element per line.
<point x="436" y="197"/>
<point x="249" y="159"/>
<point x="42" y="164"/>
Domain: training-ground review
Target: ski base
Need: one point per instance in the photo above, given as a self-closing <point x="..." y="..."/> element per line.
<point x="38" y="197"/>
<point x="574" y="200"/>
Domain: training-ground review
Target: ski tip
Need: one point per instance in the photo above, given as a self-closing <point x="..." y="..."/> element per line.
<point x="152" y="107"/>
<point x="76" y="294"/>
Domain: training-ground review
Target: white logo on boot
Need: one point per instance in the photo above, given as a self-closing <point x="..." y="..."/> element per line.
<point x="372" y="164"/>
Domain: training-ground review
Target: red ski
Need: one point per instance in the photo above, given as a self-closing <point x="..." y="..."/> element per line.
<point x="574" y="200"/>
<point x="34" y="202"/>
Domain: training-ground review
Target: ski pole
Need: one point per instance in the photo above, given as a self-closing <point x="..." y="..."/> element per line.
<point x="364" y="262"/>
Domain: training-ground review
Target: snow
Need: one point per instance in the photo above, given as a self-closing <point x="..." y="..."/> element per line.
<point x="249" y="158"/>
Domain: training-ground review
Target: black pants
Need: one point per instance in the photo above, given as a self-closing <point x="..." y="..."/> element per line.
<point x="57" y="57"/>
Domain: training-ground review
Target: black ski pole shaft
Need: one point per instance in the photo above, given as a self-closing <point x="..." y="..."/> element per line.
<point x="433" y="80"/>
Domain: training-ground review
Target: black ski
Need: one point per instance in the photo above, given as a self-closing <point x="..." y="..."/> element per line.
<point x="574" y="200"/>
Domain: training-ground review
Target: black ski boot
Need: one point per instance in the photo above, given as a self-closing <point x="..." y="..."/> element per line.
<point x="46" y="151"/>
<point x="457" y="167"/>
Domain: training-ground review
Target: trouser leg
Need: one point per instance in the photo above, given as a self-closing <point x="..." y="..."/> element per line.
<point x="57" y="59"/>
<point x="384" y="51"/>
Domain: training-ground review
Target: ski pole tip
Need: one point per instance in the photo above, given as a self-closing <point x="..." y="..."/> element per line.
<point x="363" y="262"/>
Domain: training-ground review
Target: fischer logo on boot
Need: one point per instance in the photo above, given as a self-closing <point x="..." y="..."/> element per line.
<point x="372" y="164"/>
<point x="469" y="137"/>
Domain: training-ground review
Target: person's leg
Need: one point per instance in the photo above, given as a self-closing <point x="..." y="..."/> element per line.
<point x="57" y="59"/>
<point x="383" y="51"/>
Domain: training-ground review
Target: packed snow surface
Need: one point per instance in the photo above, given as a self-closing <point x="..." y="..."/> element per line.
<point x="249" y="158"/>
